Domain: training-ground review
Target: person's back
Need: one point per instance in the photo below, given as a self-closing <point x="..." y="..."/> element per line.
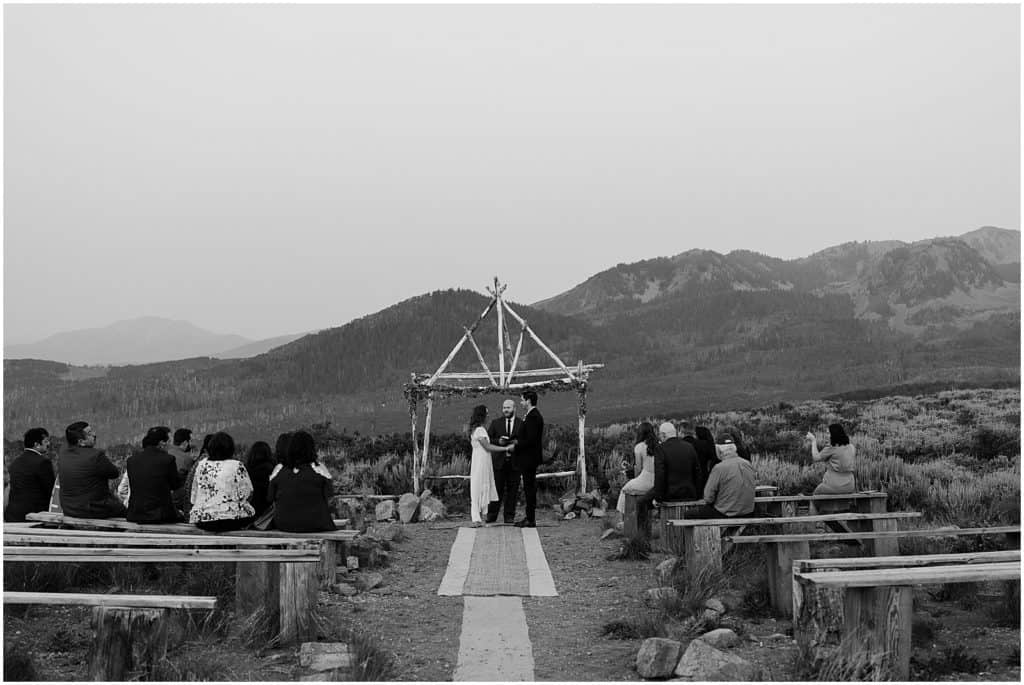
<point x="730" y="487"/>
<point x="677" y="476"/>
<point x="300" y="497"/>
<point x="152" y="476"/>
<point x="32" y="480"/>
<point x="183" y="462"/>
<point x="704" y="443"/>
<point x="84" y="491"/>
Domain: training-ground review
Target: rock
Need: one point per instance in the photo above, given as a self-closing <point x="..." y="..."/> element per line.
<point x="370" y="581"/>
<point x="710" y="618"/>
<point x="352" y="562"/>
<point x="344" y="589"/>
<point x="584" y="505"/>
<point x="721" y="638"/>
<point x="657" y="657"/>
<point x="408" y="507"/>
<point x="367" y="549"/>
<point x="385" y="533"/>
<point x="656" y="595"/>
<point x="570" y="516"/>
<point x="431" y="508"/>
<point x="610" y="533"/>
<point x="584" y="516"/>
<point x="703" y="662"/>
<point x="597" y="513"/>
<point x="324" y="656"/>
<point x="666" y="568"/>
<point x="715" y="605"/>
<point x="385" y="510"/>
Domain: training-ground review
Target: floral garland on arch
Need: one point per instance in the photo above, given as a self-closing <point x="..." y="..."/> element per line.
<point x="417" y="392"/>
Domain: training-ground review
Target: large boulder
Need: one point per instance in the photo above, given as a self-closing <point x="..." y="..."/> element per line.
<point x="657" y="657"/>
<point x="431" y="508"/>
<point x="702" y="662"/>
<point x="408" y="507"/>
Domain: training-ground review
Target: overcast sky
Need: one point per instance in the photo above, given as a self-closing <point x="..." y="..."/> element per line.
<point x="273" y="169"/>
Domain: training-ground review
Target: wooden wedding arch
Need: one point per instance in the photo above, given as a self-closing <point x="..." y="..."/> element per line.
<point x="424" y="388"/>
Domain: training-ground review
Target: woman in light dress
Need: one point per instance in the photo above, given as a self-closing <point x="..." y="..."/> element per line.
<point x="643" y="451"/>
<point x="482" y="490"/>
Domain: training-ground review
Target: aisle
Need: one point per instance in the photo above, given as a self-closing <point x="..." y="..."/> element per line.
<point x="493" y="568"/>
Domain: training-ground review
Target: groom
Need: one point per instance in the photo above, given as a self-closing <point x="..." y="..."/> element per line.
<point x="526" y="456"/>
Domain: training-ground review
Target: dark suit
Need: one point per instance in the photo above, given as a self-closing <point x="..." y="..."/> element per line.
<point x="677" y="474"/>
<point x="152" y="476"/>
<point x="84" y="491"/>
<point x="506" y="479"/>
<point x="527" y="456"/>
<point x="31" y="484"/>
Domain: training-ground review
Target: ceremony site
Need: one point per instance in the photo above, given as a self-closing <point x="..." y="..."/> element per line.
<point x="574" y="343"/>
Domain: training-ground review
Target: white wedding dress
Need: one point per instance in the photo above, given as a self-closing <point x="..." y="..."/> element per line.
<point x="482" y="490"/>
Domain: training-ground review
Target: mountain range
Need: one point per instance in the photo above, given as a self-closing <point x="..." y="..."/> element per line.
<point x="700" y="330"/>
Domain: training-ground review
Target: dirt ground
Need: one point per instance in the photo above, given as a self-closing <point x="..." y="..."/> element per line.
<point x="957" y="638"/>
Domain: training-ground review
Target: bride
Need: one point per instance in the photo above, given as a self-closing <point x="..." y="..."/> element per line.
<point x="482" y="490"/>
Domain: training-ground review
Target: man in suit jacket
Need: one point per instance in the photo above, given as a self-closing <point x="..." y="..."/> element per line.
<point x="677" y="474"/>
<point x="84" y="472"/>
<point x="153" y="476"/>
<point x="31" y="477"/>
<point x="506" y="480"/>
<point x="527" y="454"/>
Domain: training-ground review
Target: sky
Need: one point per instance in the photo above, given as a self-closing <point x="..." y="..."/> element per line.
<point x="273" y="169"/>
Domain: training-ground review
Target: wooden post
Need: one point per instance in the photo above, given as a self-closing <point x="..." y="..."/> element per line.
<point x="257" y="586"/>
<point x="878" y="620"/>
<point x="883" y="547"/>
<point x="501" y="335"/>
<point x="426" y="443"/>
<point x="817" y="620"/>
<point x="413" y="410"/>
<point x="702" y="548"/>
<point x="635" y="521"/>
<point x="581" y="459"/>
<point x="298" y="602"/>
<point x="480" y="356"/>
<point x="126" y="640"/>
<point x="780" y="572"/>
<point x="515" y="359"/>
<point x="540" y="342"/>
<point x="458" y="345"/>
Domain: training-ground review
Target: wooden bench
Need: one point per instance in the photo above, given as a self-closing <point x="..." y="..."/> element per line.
<point x="333" y="550"/>
<point x="876" y="603"/>
<point x="130" y="631"/>
<point x="702" y="538"/>
<point x="782" y="550"/>
<point x="278" y="577"/>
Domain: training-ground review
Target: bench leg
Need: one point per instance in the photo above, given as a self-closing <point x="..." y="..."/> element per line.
<point x="332" y="553"/>
<point x="817" y="623"/>
<point x="126" y="640"/>
<point x="702" y="549"/>
<point x="257" y="587"/>
<point x="298" y="597"/>
<point x="882" y="547"/>
<point x="878" y="620"/>
<point x="780" y="573"/>
<point x="635" y="521"/>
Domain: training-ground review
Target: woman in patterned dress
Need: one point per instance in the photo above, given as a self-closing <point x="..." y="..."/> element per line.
<point x="221" y="489"/>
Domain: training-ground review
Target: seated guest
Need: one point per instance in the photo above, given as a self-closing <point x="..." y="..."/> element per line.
<point x="31" y="476"/>
<point x="84" y="472"/>
<point x="190" y="478"/>
<point x="152" y="477"/>
<point x="729" y="492"/>
<point x="301" y="489"/>
<point x="644" y="451"/>
<point x="839" y="458"/>
<point x="677" y="476"/>
<point x="181" y="450"/>
<point x="705" y="446"/>
<point x="260" y="464"/>
<point x="281" y="448"/>
<point x="221" y="489"/>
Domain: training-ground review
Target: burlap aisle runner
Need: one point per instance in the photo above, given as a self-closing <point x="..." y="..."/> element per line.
<point x="497" y="561"/>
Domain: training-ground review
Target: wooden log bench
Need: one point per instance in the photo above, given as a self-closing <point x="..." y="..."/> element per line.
<point x="783" y="550"/>
<point x="702" y="538"/>
<point x="279" y="578"/>
<point x="130" y="631"/>
<point x="333" y="550"/>
<point x="877" y="603"/>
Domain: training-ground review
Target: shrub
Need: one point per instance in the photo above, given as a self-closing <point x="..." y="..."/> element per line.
<point x="19" y="666"/>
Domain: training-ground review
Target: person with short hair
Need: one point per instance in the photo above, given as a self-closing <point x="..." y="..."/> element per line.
<point x="840" y="460"/>
<point x="527" y="455"/>
<point x="729" y="492"/>
<point x="84" y="474"/>
<point x="221" y="488"/>
<point x="152" y="478"/>
<point x="301" y="489"/>
<point x="32" y="477"/>
<point x="500" y="433"/>
<point x="181" y="450"/>
<point x="677" y="474"/>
